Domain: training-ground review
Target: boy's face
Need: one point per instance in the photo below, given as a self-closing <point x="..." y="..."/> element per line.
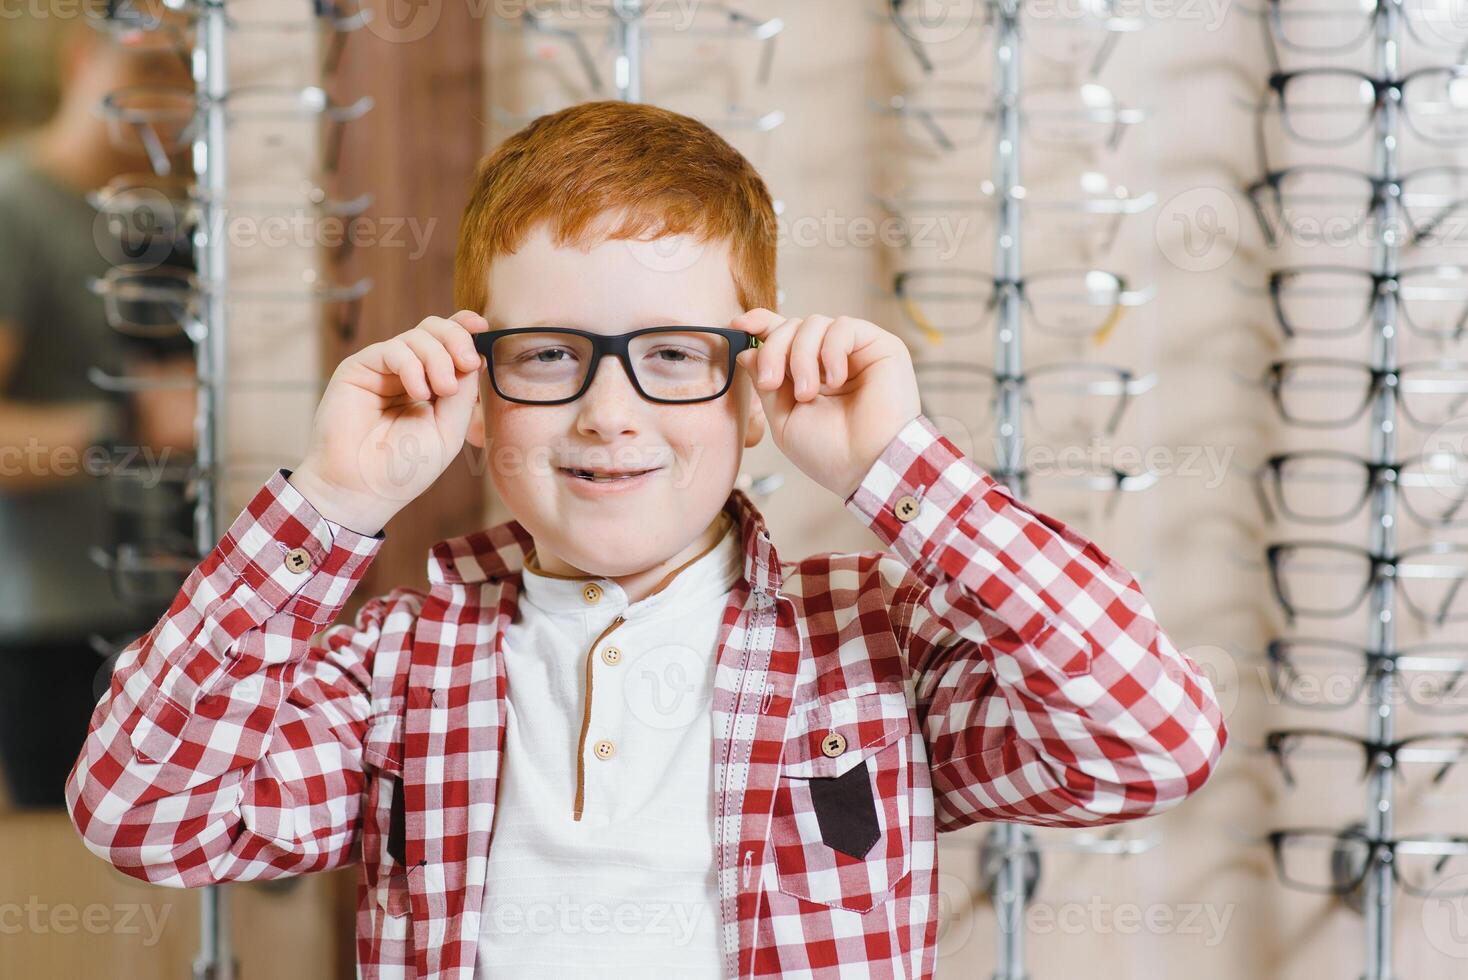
<point x="614" y="287"/>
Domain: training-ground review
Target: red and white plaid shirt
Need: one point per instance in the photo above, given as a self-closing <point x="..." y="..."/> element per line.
<point x="991" y="664"/>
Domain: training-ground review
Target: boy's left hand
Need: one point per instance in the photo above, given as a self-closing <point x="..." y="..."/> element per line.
<point x="835" y="391"/>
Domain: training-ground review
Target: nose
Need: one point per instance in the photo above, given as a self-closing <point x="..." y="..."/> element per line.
<point x="611" y="402"/>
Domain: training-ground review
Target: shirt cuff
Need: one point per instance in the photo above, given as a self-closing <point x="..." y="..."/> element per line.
<point x="914" y="494"/>
<point x="946" y="517"/>
<point x="292" y="557"/>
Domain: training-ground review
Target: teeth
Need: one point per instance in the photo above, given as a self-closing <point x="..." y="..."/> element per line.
<point x="602" y="478"/>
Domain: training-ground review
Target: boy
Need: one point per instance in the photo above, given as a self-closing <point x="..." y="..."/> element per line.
<point x="622" y="703"/>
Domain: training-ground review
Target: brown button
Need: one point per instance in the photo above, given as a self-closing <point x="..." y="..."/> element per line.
<point x="833" y="744"/>
<point x="611" y="655"/>
<point x="298" y="560"/>
<point x="591" y="593"/>
<point x="906" y="508"/>
<point x="603" y="749"/>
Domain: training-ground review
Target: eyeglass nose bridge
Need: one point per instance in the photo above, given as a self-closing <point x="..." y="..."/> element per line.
<point x="618" y="348"/>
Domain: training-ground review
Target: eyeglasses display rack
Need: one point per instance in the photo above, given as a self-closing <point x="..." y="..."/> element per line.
<point x="1338" y="108"/>
<point x="1078" y="306"/>
<point x="188" y="216"/>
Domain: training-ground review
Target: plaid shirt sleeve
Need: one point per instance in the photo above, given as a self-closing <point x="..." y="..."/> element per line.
<point x="1048" y="693"/>
<point x="228" y="744"/>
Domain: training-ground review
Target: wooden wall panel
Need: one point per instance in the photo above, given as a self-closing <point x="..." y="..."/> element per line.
<point x="415" y="151"/>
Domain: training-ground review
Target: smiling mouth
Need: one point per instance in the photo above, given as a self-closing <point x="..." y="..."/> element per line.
<point x="605" y="476"/>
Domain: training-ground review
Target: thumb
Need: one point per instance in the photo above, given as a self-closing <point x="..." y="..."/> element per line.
<point x="746" y="360"/>
<point x="776" y="403"/>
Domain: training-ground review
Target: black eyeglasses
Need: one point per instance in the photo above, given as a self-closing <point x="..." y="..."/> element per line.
<point x="1328" y="203"/>
<point x="1336" y="862"/>
<point x="1330" y="578"/>
<point x="1327" y="486"/>
<point x="1333" y="106"/>
<point x="668" y="365"/>
<point x="1330" y="675"/>
<point x="1442" y="750"/>
<point x="1338" y="300"/>
<point x="1326" y="392"/>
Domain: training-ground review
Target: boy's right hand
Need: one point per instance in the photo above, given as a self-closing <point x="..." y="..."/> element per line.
<point x="392" y="418"/>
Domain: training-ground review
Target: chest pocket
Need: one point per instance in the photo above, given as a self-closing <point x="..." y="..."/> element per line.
<point x="384" y="834"/>
<point x="842" y="821"/>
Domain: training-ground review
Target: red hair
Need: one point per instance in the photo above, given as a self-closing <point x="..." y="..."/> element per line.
<point x="665" y="173"/>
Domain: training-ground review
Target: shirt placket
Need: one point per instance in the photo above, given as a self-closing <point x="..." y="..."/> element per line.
<point x="597" y="743"/>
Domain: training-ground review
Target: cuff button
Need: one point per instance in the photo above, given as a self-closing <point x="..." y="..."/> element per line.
<point x="298" y="560"/>
<point x="906" y="508"/>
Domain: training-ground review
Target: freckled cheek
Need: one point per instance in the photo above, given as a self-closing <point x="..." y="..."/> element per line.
<point x="520" y="445"/>
<point x="706" y="452"/>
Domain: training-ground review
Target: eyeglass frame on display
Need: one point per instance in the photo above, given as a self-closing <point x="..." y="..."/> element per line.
<point x="1273" y="381"/>
<point x="1276" y="11"/>
<point x="1124" y="297"/>
<point x="1129" y="383"/>
<point x="1376" y="754"/>
<point x="1379" y="849"/>
<point x="1110" y="24"/>
<point x="1378" y="567"/>
<point x="1284" y="666"/>
<point x="1274" y="98"/>
<point x="1382" y="284"/>
<point x="1381" y="189"/>
<point x="1375" y="474"/>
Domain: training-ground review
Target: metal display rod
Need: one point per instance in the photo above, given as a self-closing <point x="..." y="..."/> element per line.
<point x="1379" y="885"/>
<point x="1015" y="843"/>
<point x="216" y="960"/>
<point x="627" y="73"/>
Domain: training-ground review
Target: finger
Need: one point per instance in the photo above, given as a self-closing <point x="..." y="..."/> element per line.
<point x="382" y="382"/>
<point x="758" y="321"/>
<point x="870" y="344"/>
<point x="456" y="339"/>
<point x="836" y="351"/>
<point x="368" y="369"/>
<point x="805" y="349"/>
<point x="436" y="359"/>
<point x="398" y="358"/>
<point x="471" y="321"/>
<point x="774" y="355"/>
<point x="747" y="360"/>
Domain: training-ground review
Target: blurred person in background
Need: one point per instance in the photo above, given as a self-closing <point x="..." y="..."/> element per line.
<point x="53" y="507"/>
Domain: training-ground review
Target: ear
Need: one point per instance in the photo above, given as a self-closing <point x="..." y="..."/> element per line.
<point x="474" y="436"/>
<point x="478" y="426"/>
<point x="755" y="422"/>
